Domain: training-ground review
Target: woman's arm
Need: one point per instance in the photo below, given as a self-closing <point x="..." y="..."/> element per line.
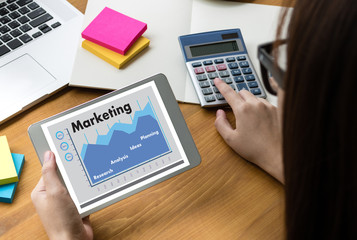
<point x="257" y="136"/>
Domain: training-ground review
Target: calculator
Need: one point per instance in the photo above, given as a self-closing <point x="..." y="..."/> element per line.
<point x="221" y="54"/>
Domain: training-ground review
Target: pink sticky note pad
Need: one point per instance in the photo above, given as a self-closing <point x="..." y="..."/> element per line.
<point x="114" y="30"/>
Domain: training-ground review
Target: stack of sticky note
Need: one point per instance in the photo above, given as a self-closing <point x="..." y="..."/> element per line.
<point x="10" y="169"/>
<point x="115" y="37"/>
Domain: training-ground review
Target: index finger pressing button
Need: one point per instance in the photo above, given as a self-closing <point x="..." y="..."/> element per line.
<point x="228" y="92"/>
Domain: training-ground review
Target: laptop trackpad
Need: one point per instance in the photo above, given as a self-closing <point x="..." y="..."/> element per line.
<point x="22" y="79"/>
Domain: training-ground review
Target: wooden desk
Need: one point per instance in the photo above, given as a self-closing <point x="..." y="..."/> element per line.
<point x="225" y="197"/>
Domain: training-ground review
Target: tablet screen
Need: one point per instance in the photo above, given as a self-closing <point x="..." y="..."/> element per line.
<point x="115" y="146"/>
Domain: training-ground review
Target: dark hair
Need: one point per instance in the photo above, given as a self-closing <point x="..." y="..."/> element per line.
<point x="320" y="121"/>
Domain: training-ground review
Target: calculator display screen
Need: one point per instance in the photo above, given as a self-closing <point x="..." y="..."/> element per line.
<point x="214" y="48"/>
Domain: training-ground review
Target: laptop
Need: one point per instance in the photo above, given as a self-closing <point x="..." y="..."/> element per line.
<point x="38" y="42"/>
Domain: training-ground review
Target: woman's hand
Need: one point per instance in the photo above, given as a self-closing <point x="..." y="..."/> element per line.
<point x="257" y="136"/>
<point x="55" y="207"/>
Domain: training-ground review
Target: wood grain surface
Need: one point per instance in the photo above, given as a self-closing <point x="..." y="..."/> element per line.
<point x="225" y="197"/>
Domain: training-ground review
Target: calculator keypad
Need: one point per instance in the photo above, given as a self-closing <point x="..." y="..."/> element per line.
<point x="236" y="71"/>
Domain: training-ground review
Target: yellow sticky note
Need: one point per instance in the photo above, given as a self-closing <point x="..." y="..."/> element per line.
<point x="116" y="59"/>
<point x="8" y="172"/>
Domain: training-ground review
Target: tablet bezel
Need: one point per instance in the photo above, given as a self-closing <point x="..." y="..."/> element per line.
<point x="41" y="145"/>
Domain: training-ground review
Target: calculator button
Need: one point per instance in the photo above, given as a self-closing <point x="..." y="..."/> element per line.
<point x="230" y="59"/>
<point x="213" y="75"/>
<point x="239" y="79"/>
<point x="204" y="84"/>
<point x="208" y="62"/>
<point x="218" y="61"/>
<point x="219" y="96"/>
<point x="207" y="91"/>
<point x="242" y="86"/>
<point x="241" y="58"/>
<point x="256" y="91"/>
<point x="244" y="64"/>
<point x="215" y="89"/>
<point x="212" y="83"/>
<point x="247" y="70"/>
<point x="232" y="86"/>
<point x="236" y="72"/>
<point x="202" y="77"/>
<point x="253" y="84"/>
<point x="249" y="77"/>
<point x="210" y="69"/>
<point x="233" y="65"/>
<point x="224" y="74"/>
<point x="221" y="67"/>
<point x="227" y="80"/>
<point x="196" y="64"/>
<point x="199" y="70"/>
<point x="210" y="98"/>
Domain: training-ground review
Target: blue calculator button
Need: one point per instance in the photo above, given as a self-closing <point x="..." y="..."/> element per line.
<point x="239" y="79"/>
<point x="249" y="77"/>
<point x="196" y="64"/>
<point x="233" y="65"/>
<point x="218" y="61"/>
<point x="204" y="84"/>
<point x="210" y="98"/>
<point x="247" y="70"/>
<point x="224" y="74"/>
<point x="244" y="64"/>
<point x="256" y="91"/>
<point x="232" y="86"/>
<point x="202" y="77"/>
<point x="213" y="75"/>
<point x="242" y="86"/>
<point x="219" y="96"/>
<point x="208" y="62"/>
<point x="207" y="91"/>
<point x="241" y="58"/>
<point x="253" y="84"/>
<point x="230" y="59"/>
<point x="236" y="72"/>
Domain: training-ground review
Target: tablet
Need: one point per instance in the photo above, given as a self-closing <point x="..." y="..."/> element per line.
<point x="118" y="144"/>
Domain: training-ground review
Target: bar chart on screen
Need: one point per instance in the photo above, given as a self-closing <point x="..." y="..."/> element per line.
<point x="117" y="147"/>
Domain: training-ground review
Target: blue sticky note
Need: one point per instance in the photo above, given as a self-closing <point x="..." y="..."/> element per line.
<point x="7" y="191"/>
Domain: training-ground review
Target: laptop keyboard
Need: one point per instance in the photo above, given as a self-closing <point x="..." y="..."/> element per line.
<point x="21" y="21"/>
